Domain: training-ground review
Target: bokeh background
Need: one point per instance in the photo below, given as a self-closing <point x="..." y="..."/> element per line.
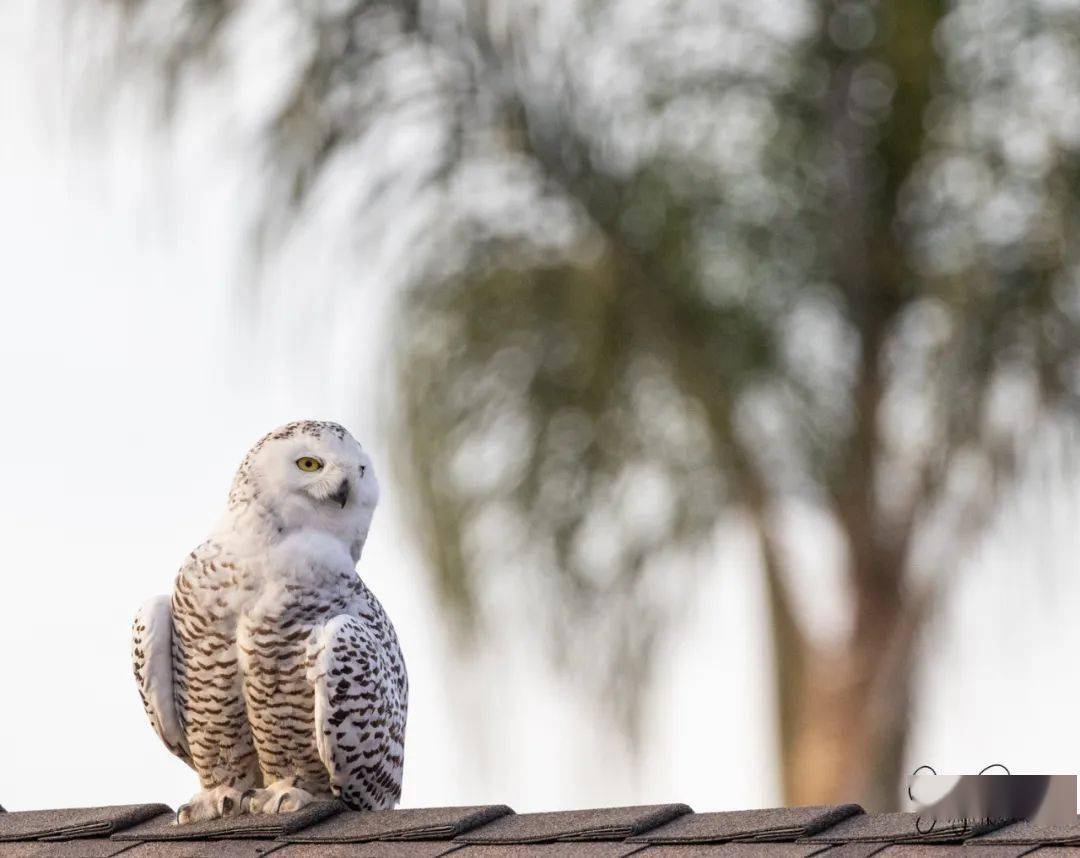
<point x="719" y="362"/>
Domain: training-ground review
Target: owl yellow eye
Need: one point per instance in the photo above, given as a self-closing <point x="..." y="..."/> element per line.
<point x="308" y="463"/>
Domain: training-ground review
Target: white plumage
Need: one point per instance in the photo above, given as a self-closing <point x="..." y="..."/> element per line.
<point x="273" y="670"/>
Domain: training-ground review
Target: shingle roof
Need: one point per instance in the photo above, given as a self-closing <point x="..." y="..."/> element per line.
<point x="972" y="850"/>
<point x="1025" y="832"/>
<point x="900" y="828"/>
<point x="608" y="823"/>
<point x="731" y="850"/>
<point x="75" y="822"/>
<point x="789" y="823"/>
<point x="422" y="823"/>
<point x="256" y="826"/>
<point x="85" y="848"/>
<point x="327" y="830"/>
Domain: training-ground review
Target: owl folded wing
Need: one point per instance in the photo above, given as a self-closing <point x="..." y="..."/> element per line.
<point x="151" y="652"/>
<point x="359" y="714"/>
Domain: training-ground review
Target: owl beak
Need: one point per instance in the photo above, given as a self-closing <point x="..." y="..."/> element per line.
<point x="341" y="495"/>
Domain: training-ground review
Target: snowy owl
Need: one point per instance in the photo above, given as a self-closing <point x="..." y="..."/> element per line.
<point x="273" y="671"/>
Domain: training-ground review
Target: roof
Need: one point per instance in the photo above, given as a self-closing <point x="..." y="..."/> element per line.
<point x="328" y="830"/>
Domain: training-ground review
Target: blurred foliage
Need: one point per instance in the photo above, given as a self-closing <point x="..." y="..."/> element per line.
<point x="662" y="260"/>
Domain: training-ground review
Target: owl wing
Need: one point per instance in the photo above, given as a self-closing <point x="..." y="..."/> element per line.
<point x="151" y="652"/>
<point x="358" y="678"/>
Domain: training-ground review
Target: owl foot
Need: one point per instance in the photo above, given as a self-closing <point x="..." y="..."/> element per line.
<point x="283" y="796"/>
<point x="222" y="801"/>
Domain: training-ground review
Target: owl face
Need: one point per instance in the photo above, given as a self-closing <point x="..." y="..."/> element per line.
<point x="312" y="475"/>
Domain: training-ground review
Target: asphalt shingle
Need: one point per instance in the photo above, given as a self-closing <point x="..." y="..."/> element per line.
<point x="421" y="823"/>
<point x="900" y="828"/>
<point x="23" y="849"/>
<point x="82" y="848"/>
<point x="732" y="850"/>
<point x="1025" y="832"/>
<point x="200" y="849"/>
<point x="852" y="850"/>
<point x="382" y="849"/>
<point x="565" y="849"/>
<point x="259" y="826"/>
<point x="610" y="823"/>
<point x="780" y="824"/>
<point x="74" y="822"/>
<point x="968" y="850"/>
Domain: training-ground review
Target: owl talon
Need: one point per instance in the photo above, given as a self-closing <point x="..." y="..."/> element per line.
<point x="282" y="796"/>
<point x="217" y="803"/>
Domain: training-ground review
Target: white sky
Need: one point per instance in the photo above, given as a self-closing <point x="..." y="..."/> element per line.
<point x="132" y="384"/>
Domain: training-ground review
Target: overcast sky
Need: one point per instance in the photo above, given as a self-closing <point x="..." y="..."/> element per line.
<point x="134" y="379"/>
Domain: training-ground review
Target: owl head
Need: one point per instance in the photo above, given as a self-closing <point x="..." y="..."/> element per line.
<point x="308" y="474"/>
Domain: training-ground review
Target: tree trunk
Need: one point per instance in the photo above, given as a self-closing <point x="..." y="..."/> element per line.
<point x="843" y="747"/>
<point x="843" y="710"/>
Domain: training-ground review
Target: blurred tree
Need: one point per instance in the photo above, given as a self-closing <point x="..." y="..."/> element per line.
<point x="669" y="260"/>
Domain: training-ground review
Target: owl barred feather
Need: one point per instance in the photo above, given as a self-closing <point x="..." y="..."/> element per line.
<point x="273" y="671"/>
